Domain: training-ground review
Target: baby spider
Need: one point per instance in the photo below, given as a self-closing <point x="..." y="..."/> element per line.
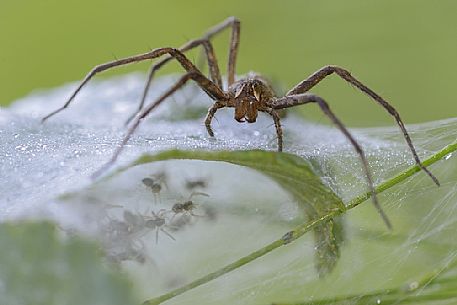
<point x="248" y="95"/>
<point x="155" y="186"/>
<point x="188" y="206"/>
<point x="122" y="238"/>
<point x="157" y="222"/>
<point x="185" y="212"/>
<point x="155" y="183"/>
<point x="194" y="183"/>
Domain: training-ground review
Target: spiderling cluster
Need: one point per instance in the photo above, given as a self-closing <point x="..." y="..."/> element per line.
<point x="123" y="235"/>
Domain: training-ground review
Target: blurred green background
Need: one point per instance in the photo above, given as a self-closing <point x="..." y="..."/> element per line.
<point x="404" y="50"/>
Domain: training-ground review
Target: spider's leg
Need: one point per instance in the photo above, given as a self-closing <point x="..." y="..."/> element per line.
<point x="210" y="55"/>
<point x="212" y="64"/>
<point x="208" y="86"/>
<point x="300" y="99"/>
<point x="278" y="127"/>
<point x="196" y="215"/>
<point x="234" y="43"/>
<point x="194" y="75"/>
<point x="168" y="234"/>
<point x="215" y="73"/>
<point x="157" y="235"/>
<point x="173" y="217"/>
<point x="209" y="117"/>
<point x="198" y="194"/>
<point x="319" y="75"/>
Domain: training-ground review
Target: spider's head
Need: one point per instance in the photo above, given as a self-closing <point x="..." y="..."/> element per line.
<point x="250" y="95"/>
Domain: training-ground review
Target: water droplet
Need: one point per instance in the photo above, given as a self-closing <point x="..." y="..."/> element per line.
<point x="413" y="286"/>
<point x="21" y="147"/>
<point x="378" y="301"/>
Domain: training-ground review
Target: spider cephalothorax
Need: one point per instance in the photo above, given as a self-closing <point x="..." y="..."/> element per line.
<point x="248" y="95"/>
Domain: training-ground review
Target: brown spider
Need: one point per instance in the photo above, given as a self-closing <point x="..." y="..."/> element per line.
<point x="247" y="95"/>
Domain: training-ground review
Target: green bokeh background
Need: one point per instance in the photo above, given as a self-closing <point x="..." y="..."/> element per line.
<point x="405" y="50"/>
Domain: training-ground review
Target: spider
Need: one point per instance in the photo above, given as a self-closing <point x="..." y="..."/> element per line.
<point x="155" y="183"/>
<point x="187" y="206"/>
<point x="248" y="95"/>
<point x="158" y="222"/>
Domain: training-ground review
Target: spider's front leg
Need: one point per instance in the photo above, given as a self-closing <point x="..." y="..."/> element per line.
<point x="212" y="89"/>
<point x="274" y="114"/>
<point x="316" y="77"/>
<point x="212" y="63"/>
<point x="278" y="127"/>
<point x="209" y="117"/>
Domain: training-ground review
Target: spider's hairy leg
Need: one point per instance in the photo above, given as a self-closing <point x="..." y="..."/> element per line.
<point x="212" y="63"/>
<point x="233" y="52"/>
<point x="168" y="234"/>
<point x="209" y="117"/>
<point x="278" y="127"/>
<point x="300" y="99"/>
<point x="194" y="75"/>
<point x="208" y="86"/>
<point x="234" y="43"/>
<point x="319" y="75"/>
<point x="210" y="55"/>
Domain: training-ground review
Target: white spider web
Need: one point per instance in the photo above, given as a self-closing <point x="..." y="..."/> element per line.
<point x="41" y="162"/>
